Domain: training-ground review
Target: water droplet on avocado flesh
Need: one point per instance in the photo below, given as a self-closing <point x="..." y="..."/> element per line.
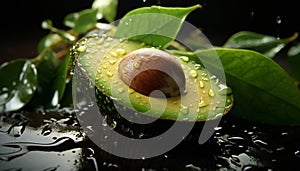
<point x="197" y="82"/>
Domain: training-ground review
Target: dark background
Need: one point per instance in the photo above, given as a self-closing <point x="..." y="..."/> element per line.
<point x="21" y="19"/>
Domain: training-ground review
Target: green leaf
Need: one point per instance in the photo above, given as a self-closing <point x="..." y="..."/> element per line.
<point x="52" y="75"/>
<point x="67" y="99"/>
<point x="18" y="84"/>
<point x="85" y="20"/>
<point x="46" y="69"/>
<point x="106" y="8"/>
<point x="47" y="24"/>
<point x="62" y="75"/>
<point x="155" y="25"/>
<point x="262" y="90"/>
<point x="294" y="61"/>
<point x="267" y="45"/>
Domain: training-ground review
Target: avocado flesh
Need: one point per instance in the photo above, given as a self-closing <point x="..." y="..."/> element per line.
<point x="205" y="97"/>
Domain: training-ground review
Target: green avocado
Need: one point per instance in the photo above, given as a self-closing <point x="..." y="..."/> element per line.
<point x="99" y="56"/>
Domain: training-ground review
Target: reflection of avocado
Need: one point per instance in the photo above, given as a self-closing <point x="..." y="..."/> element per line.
<point x="204" y="97"/>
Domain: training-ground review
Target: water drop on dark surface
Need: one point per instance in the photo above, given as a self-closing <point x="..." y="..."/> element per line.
<point x="297" y="153"/>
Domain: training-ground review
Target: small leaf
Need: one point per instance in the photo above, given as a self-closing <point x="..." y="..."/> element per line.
<point x="46" y="69"/>
<point x="106" y="8"/>
<point x="62" y="74"/>
<point x="155" y="25"/>
<point x="47" y="24"/>
<point x="67" y="99"/>
<point x="87" y="19"/>
<point x="264" y="44"/>
<point x="262" y="90"/>
<point x="294" y="61"/>
<point x="53" y="72"/>
<point x="17" y="85"/>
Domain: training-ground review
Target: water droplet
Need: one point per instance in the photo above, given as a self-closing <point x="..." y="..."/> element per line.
<point x="297" y="153"/>
<point x="46" y="130"/>
<point x="110" y="74"/>
<point x="81" y="48"/>
<point x="4" y="89"/>
<point x="280" y="148"/>
<point x="211" y="93"/>
<point x="3" y="96"/>
<point x="16" y="131"/>
<point x="201" y="84"/>
<point x="248" y="168"/>
<point x="228" y="101"/>
<point x="137" y="64"/>
<point x="202" y="104"/>
<point x="25" y="81"/>
<point x="235" y="160"/>
<point x="204" y="78"/>
<point x="55" y="98"/>
<point x="198" y="66"/>
<point x="185" y="119"/>
<point x="131" y="91"/>
<point x="123" y="71"/>
<point x="90" y="152"/>
<point x="237" y="140"/>
<point x="184" y="58"/>
<point x="201" y="117"/>
<point x="263" y="145"/>
<point x="120" y="51"/>
<point x="184" y="110"/>
<point x="114" y="54"/>
<point x="100" y="41"/>
<point x="120" y="90"/>
<point x="193" y="73"/>
<point x="112" y="62"/>
<point x="113" y="125"/>
<point x="217" y="128"/>
<point x="192" y="167"/>
<point x="224" y="90"/>
<point x="278" y="20"/>
<point x="109" y="39"/>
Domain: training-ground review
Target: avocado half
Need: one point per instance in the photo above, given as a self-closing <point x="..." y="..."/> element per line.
<point x="98" y="56"/>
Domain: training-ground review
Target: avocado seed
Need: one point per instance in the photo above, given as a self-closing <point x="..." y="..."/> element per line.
<point x="146" y="70"/>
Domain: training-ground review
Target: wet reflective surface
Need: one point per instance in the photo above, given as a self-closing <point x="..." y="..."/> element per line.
<point x="55" y="141"/>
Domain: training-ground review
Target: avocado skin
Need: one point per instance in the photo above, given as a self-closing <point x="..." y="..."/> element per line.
<point x="111" y="109"/>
